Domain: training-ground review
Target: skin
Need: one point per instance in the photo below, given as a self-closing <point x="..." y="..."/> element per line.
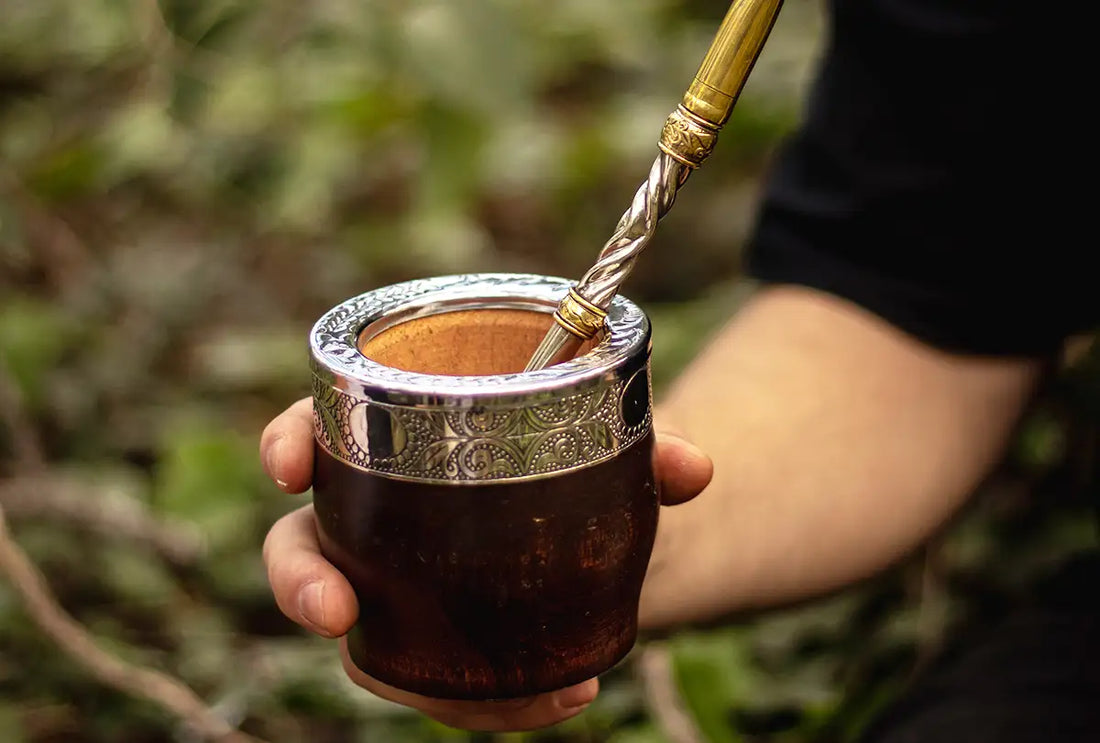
<point x="840" y="444"/>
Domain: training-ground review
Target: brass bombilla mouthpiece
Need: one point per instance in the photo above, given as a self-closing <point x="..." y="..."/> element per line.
<point x="687" y="139"/>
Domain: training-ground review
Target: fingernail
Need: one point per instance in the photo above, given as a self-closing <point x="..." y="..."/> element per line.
<point x="271" y="461"/>
<point x="269" y="456"/>
<point x="311" y="606"/>
<point x="690" y="447"/>
<point x="575" y="696"/>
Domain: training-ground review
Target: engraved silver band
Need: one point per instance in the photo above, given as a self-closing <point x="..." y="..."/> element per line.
<point x="470" y="430"/>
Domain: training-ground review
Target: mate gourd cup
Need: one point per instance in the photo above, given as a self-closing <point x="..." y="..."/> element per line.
<point x="496" y="525"/>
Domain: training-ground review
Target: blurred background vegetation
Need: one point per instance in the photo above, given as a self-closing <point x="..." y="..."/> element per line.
<point x="186" y="185"/>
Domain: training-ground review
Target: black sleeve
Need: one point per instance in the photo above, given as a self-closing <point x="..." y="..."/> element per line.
<point x="928" y="182"/>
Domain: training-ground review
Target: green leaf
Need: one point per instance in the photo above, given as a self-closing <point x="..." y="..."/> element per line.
<point x="135" y="576"/>
<point x="67" y="172"/>
<point x="713" y="671"/>
<point x="1041" y="441"/>
<point x="11" y="729"/>
<point x="142" y="139"/>
<point x="646" y="733"/>
<point x="34" y="335"/>
<point x="212" y="477"/>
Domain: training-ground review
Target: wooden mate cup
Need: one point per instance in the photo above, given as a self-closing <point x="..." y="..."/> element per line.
<point x="496" y="524"/>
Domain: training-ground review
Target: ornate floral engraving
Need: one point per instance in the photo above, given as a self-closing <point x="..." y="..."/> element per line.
<point x="436" y="428"/>
<point x="448" y="444"/>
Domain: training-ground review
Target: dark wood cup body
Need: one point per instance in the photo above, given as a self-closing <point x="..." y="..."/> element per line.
<point x="491" y="591"/>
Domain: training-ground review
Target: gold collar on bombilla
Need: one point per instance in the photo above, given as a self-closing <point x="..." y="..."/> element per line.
<point x="687" y="139"/>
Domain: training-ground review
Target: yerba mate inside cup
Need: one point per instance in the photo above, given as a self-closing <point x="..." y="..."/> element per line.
<point x="496" y="525"/>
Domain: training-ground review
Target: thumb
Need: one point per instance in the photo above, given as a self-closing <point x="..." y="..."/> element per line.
<point x="683" y="470"/>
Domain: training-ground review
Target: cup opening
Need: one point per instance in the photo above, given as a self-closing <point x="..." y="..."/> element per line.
<point x="460" y="342"/>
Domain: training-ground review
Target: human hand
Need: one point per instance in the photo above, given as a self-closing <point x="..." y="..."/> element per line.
<point x="313" y="593"/>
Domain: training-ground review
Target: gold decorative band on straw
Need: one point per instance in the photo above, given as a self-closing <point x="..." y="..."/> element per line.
<point x="579" y="316"/>
<point x="687" y="138"/>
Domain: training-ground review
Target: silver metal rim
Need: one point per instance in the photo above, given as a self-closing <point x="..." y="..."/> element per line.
<point x="473" y="430"/>
<point x="336" y="357"/>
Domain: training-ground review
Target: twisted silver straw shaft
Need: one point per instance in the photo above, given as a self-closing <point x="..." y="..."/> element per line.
<point x="635" y="229"/>
<point x="687" y="139"/>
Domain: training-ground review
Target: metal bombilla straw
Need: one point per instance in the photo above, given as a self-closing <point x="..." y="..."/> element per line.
<point x="687" y="139"/>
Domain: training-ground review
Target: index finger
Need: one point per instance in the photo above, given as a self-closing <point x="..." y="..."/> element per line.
<point x="286" y="447"/>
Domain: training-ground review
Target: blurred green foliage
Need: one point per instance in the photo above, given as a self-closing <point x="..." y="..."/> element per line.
<point x="185" y="185"/>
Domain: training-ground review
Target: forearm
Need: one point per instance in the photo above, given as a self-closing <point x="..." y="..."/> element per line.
<point x="839" y="445"/>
